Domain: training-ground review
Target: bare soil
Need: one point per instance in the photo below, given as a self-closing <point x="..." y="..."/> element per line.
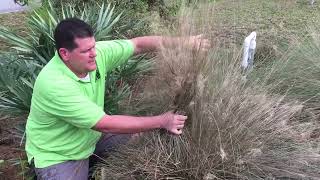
<point x="10" y="150"/>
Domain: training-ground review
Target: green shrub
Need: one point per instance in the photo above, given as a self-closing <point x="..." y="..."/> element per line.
<point x="137" y="15"/>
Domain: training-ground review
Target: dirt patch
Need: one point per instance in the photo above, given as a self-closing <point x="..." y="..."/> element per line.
<point x="11" y="151"/>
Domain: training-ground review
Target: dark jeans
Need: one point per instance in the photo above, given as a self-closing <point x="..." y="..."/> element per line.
<point x="79" y="169"/>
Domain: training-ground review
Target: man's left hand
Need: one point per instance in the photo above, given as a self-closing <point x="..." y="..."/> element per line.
<point x="199" y="43"/>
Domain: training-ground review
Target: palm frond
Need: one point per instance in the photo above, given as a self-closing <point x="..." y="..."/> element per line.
<point x="16" y="80"/>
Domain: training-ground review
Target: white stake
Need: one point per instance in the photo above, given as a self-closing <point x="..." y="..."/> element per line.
<point x="311" y="2"/>
<point x="249" y="50"/>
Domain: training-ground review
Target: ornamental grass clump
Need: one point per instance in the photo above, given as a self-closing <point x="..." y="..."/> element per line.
<point x="236" y="129"/>
<point x="296" y="73"/>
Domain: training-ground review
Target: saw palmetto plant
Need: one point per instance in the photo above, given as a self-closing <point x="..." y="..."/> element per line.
<point x="38" y="48"/>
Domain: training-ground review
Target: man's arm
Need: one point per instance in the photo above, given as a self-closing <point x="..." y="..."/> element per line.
<point x="146" y="44"/>
<point x="130" y="124"/>
<point x="152" y="43"/>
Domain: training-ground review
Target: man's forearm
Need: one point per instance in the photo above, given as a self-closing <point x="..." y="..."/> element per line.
<point x="128" y="124"/>
<point x="146" y="44"/>
<point x="152" y="43"/>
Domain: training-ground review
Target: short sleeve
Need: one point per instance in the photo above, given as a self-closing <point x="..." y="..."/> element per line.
<point x="114" y="53"/>
<point x="67" y="103"/>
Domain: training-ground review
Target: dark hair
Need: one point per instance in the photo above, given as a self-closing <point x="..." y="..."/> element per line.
<point x="69" y="29"/>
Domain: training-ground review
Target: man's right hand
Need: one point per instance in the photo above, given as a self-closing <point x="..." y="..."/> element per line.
<point x="173" y="123"/>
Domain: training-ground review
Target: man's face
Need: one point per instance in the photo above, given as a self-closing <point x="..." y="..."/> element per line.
<point x="81" y="60"/>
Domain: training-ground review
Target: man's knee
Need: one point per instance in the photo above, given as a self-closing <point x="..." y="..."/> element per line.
<point x="109" y="142"/>
<point x="69" y="170"/>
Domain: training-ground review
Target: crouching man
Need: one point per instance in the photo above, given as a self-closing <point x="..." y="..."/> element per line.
<point x="67" y="124"/>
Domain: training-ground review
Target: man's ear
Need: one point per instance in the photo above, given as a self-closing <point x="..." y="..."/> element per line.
<point x="64" y="54"/>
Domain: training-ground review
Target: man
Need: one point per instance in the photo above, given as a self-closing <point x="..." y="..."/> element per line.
<point x="67" y="124"/>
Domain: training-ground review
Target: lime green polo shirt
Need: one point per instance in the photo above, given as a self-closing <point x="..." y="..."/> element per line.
<point x="65" y="108"/>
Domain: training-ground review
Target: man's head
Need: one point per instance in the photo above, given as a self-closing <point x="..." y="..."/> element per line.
<point x="75" y="44"/>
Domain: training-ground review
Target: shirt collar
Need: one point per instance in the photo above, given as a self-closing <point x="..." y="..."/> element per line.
<point x="58" y="61"/>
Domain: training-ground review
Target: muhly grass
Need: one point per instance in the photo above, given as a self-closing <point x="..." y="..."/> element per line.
<point x="237" y="128"/>
<point x="296" y="73"/>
